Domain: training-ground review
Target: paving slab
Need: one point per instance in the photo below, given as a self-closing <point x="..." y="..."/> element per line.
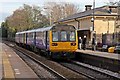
<point x="14" y="66"/>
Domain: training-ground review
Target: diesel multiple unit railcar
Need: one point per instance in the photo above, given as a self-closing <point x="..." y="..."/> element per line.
<point x="57" y="41"/>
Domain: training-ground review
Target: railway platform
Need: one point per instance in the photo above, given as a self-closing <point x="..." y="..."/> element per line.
<point x="12" y="66"/>
<point x="104" y="60"/>
<point x="101" y="54"/>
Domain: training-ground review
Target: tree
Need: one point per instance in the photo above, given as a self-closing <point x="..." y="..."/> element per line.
<point x="38" y="19"/>
<point x="69" y="9"/>
<point x="56" y="11"/>
<point x="26" y="17"/>
<point x="113" y="3"/>
<point x="3" y="30"/>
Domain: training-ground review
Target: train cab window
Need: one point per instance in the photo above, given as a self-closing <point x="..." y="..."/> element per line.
<point x="72" y="36"/>
<point x="63" y="36"/>
<point x="55" y="36"/>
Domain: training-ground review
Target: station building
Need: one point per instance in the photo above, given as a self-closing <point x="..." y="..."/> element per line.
<point x="106" y="19"/>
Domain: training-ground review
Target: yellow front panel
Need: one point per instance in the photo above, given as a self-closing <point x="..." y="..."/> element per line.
<point x="63" y="46"/>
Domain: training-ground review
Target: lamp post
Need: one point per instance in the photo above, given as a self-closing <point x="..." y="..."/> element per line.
<point x="93" y="13"/>
<point x="93" y="19"/>
<point x="108" y="27"/>
<point x="93" y="32"/>
<point x="50" y="15"/>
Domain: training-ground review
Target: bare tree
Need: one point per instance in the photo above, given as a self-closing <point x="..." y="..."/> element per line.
<point x="69" y="9"/>
<point x="57" y="11"/>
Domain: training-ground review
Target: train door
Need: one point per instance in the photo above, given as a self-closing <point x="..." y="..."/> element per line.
<point x="26" y="38"/>
<point x="23" y="38"/>
<point x="46" y="39"/>
<point x="34" y="38"/>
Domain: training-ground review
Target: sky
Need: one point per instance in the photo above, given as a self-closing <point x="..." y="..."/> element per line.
<point x="8" y="6"/>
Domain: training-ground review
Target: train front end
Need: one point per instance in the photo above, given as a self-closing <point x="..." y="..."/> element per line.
<point x="63" y="41"/>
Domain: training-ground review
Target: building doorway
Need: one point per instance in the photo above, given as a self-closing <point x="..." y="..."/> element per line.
<point x="82" y="33"/>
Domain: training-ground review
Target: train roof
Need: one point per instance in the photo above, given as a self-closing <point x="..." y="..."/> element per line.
<point x="36" y="30"/>
<point x="29" y="31"/>
<point x="42" y="29"/>
<point x="21" y="32"/>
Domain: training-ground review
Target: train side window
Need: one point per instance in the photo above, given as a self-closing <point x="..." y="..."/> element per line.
<point x="55" y="36"/>
<point x="72" y="36"/>
<point x="63" y="36"/>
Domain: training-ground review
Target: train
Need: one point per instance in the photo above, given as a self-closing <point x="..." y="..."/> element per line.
<point x="56" y="41"/>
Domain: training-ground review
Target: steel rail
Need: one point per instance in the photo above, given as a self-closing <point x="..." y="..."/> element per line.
<point x="97" y="69"/>
<point x="79" y="72"/>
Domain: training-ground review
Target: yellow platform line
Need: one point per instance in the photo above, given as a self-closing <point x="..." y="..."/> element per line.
<point x="8" y="71"/>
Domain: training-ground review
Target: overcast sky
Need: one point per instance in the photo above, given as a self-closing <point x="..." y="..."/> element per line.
<point x="8" y="6"/>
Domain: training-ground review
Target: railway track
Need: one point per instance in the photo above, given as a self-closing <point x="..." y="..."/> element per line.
<point x="103" y="72"/>
<point x="37" y="65"/>
<point x="76" y="69"/>
<point x="90" y="71"/>
<point x="56" y="69"/>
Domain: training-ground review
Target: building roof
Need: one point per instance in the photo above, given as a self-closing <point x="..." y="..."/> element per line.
<point x="103" y="9"/>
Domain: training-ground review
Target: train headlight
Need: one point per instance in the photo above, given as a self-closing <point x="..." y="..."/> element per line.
<point x="54" y="44"/>
<point x="73" y="44"/>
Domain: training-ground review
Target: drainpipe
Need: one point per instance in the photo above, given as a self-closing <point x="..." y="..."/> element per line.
<point x="78" y="23"/>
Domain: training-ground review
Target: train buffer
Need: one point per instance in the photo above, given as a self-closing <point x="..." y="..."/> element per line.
<point x="12" y="66"/>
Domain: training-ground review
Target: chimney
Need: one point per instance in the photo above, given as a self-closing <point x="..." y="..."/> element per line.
<point x="88" y="7"/>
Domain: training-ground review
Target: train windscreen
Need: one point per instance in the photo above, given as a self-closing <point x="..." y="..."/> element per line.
<point x="72" y="36"/>
<point x="63" y="36"/>
<point x="63" y="33"/>
<point x="55" y="35"/>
